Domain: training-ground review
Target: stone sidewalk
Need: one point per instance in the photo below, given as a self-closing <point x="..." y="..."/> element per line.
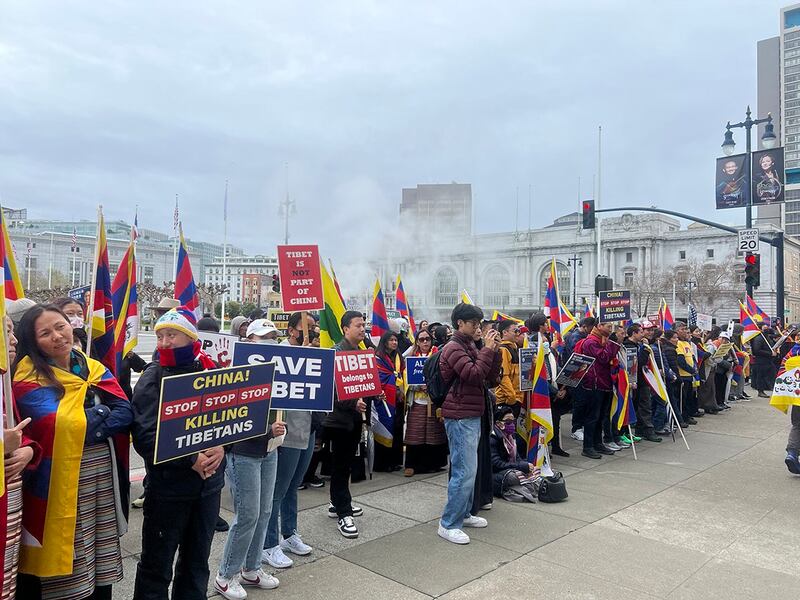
<point x="719" y="521"/>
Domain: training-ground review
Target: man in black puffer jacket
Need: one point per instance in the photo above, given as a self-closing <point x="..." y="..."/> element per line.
<point x="182" y="495"/>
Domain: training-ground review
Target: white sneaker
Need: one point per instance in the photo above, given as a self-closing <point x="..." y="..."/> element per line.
<point x="347" y="528"/>
<point x="229" y="588"/>
<point x="456" y="536"/>
<point x="295" y="545"/>
<point x="577" y="435"/>
<point x="259" y="578"/>
<point x="612" y="446"/>
<point x="275" y="557"/>
<point x="487" y="506"/>
<point x="477" y="522"/>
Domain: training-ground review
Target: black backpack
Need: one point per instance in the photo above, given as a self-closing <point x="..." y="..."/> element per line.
<point x="437" y="387"/>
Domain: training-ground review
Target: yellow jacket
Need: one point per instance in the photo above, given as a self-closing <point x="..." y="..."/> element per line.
<point x="508" y="390"/>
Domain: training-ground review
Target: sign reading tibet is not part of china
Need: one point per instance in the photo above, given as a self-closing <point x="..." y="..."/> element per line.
<point x="303" y="374"/>
<point x="301" y="278"/>
<point x="198" y="411"/>
<point x="615" y="305"/>
<point x="356" y="374"/>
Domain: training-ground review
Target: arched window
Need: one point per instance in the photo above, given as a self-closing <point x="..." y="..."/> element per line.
<point x="446" y="287"/>
<point x="564" y="276"/>
<point x="496" y="286"/>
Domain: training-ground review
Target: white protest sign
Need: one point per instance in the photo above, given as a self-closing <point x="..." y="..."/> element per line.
<point x="219" y="346"/>
<point x="704" y="322"/>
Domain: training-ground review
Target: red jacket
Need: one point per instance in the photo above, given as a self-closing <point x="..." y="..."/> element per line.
<point x="599" y="376"/>
<point x="473" y="370"/>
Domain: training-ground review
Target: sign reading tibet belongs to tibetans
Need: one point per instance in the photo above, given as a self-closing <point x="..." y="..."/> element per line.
<point x="301" y="278"/>
<point x="303" y="374"/>
<point x="356" y="374"/>
<point x="615" y="305"/>
<point x="198" y="411"/>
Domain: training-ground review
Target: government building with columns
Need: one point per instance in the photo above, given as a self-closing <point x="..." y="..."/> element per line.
<point x="650" y="254"/>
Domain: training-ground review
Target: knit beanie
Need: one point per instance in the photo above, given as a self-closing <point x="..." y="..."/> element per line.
<point x="182" y="319"/>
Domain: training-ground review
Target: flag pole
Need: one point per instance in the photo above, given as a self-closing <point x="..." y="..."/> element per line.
<point x="633" y="443"/>
<point x="597" y="197"/>
<point x="90" y="313"/>
<point x="225" y="255"/>
<point x="177" y="241"/>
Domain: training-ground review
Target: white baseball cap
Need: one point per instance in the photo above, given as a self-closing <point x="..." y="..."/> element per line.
<point x="260" y="327"/>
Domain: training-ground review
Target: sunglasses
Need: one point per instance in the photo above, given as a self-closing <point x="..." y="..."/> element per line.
<point x="423" y="339"/>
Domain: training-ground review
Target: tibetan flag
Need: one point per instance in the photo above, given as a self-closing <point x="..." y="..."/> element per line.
<point x="539" y="412"/>
<point x="101" y="329"/>
<point x="466" y="298"/>
<point x="665" y="315"/>
<point x="751" y="329"/>
<point x="401" y="303"/>
<point x="561" y="320"/>
<point x="123" y="298"/>
<point x="755" y="310"/>
<point x="653" y="376"/>
<point x="622" y="413"/>
<point x="185" y="289"/>
<point x="498" y="316"/>
<point x="330" y="319"/>
<point x="13" y="284"/>
<point x="380" y="322"/>
<point x="336" y="283"/>
<point x="587" y="311"/>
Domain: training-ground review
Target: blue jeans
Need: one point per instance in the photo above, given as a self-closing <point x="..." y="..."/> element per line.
<point x="292" y="466"/>
<point x="463" y="436"/>
<point x="252" y="482"/>
<point x="660" y="413"/>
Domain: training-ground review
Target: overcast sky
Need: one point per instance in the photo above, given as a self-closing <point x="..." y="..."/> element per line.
<point x="127" y="103"/>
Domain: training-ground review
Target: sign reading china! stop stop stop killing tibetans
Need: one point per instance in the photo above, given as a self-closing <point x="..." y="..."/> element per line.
<point x="301" y="278"/>
<point x="615" y="305"/>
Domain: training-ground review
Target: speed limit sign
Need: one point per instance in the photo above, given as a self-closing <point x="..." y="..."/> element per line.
<point x="748" y="241"/>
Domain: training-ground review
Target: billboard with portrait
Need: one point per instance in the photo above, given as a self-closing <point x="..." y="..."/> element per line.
<point x="732" y="188"/>
<point x="768" y="181"/>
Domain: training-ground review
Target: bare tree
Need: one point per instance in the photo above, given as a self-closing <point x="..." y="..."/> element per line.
<point x="714" y="286"/>
<point x="648" y="289"/>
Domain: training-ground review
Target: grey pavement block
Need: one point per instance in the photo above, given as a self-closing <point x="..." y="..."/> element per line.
<point x="520" y="530"/>
<point x="770" y="451"/>
<point x="566" y="470"/>
<point x="658" y="567"/>
<point x="577" y="461"/>
<point x="440" y="479"/>
<point x="726" y="579"/>
<point x="728" y="440"/>
<point x="131" y="542"/>
<point x="614" y="486"/>
<point x="770" y="543"/>
<point x="332" y="578"/>
<point x="529" y="577"/>
<point x="420" y="559"/>
<point x="416" y="500"/>
<point x="320" y="531"/>
<point x="379" y="481"/>
<point x="581" y="505"/>
<point x="311" y="497"/>
<point x="689" y="519"/>
<point x="749" y="419"/>
<point x="734" y="480"/>
<point x="700" y="457"/>
<point x="647" y="471"/>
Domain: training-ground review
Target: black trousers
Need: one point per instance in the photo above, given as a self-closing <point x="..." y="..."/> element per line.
<point x="643" y="404"/>
<point x="343" y="445"/>
<point x="597" y="406"/>
<point x="170" y="526"/>
<point x="578" y="407"/>
<point x="688" y="398"/>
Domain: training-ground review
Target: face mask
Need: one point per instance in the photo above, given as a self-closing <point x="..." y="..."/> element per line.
<point x="76" y="322"/>
<point x="267" y="342"/>
<point x="510" y="428"/>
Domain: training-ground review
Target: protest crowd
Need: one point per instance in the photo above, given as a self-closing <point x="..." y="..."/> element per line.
<point x="480" y="397"/>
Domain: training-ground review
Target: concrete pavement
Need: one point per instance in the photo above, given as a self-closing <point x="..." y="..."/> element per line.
<point x="719" y="521"/>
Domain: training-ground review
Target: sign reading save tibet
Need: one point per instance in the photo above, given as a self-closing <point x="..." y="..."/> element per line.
<point x="198" y="411"/>
<point x="414" y="366"/>
<point x="301" y="278"/>
<point x="356" y="374"/>
<point x="303" y="374"/>
<point x="615" y="305"/>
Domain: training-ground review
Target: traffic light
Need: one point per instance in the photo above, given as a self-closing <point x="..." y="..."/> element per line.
<point x="752" y="269"/>
<point x="587" y="208"/>
<point x="276" y="283"/>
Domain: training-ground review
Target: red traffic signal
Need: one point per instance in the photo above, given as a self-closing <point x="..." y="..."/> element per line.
<point x="587" y="210"/>
<point x="276" y="283"/>
<point x="752" y="269"/>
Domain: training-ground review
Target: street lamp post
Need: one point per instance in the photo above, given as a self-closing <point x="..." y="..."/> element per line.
<point x="768" y="140"/>
<point x="575" y="261"/>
